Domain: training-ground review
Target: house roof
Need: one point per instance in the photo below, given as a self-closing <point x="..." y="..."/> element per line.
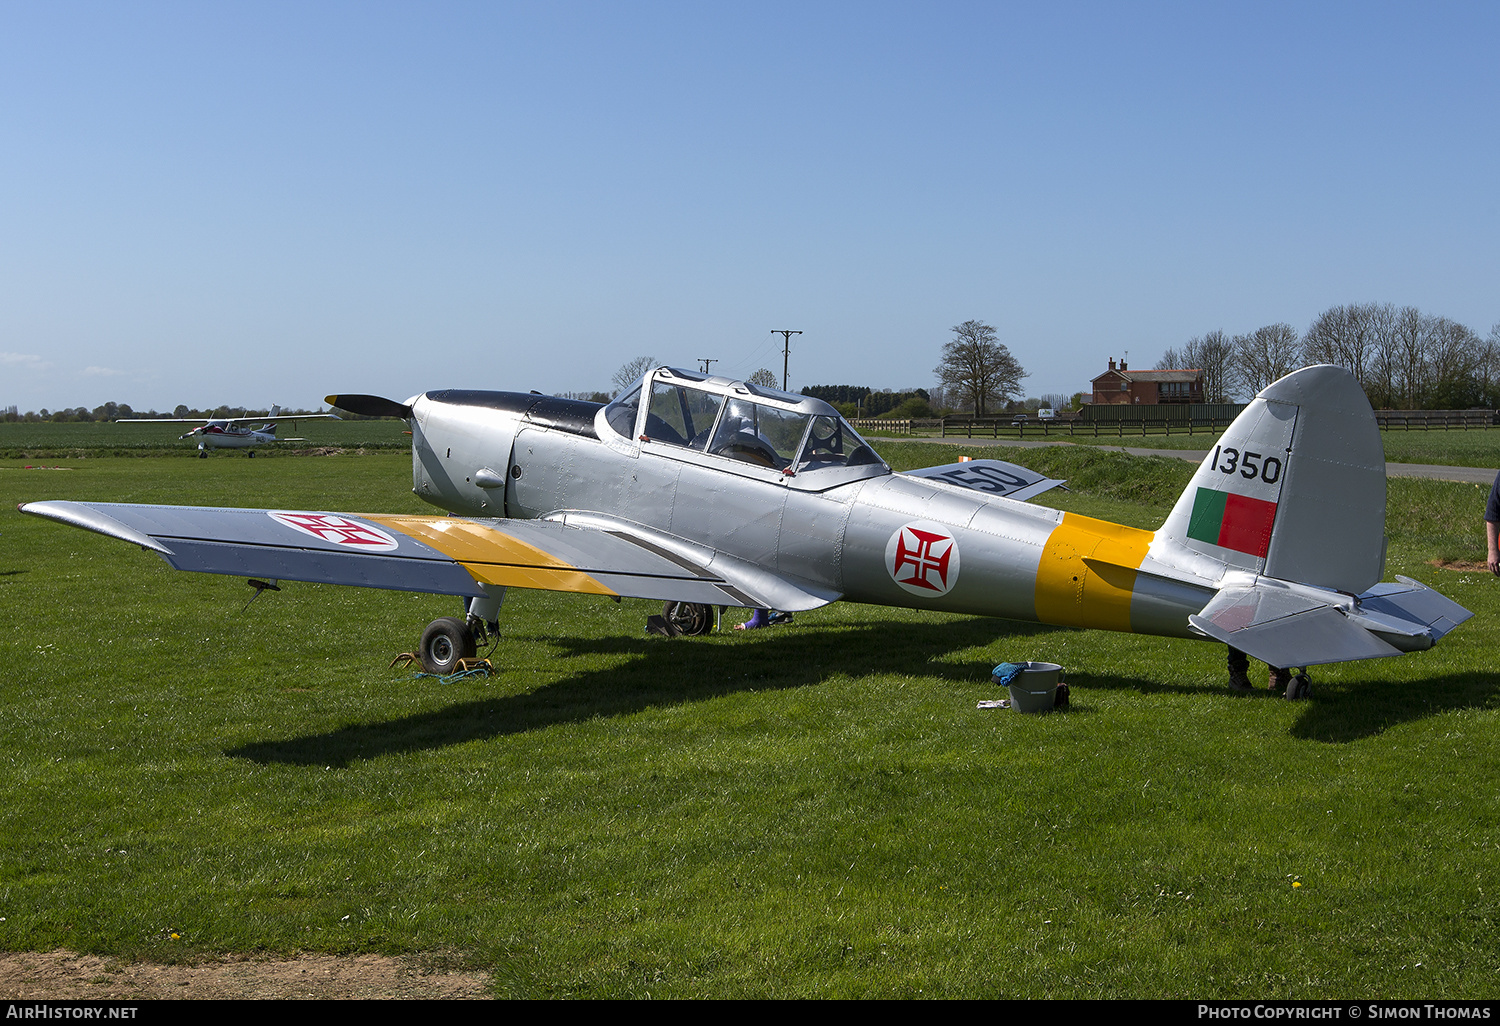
<point x="1163" y="375"/>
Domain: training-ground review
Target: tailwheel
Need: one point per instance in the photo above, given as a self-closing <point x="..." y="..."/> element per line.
<point x="1300" y="686"/>
<point x="445" y="641"/>
<point x="690" y="618"/>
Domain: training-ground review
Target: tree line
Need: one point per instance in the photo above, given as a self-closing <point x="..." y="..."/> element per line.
<point x="117" y="411"/>
<point x="858" y="401"/>
<point x="1402" y="357"/>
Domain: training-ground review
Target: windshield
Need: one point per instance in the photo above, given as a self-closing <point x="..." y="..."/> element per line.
<point x="620" y="414"/>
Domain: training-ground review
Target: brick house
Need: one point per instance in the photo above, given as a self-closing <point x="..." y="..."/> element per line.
<point x="1119" y="386"/>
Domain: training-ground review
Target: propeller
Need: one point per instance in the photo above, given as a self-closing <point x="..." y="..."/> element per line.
<point x="370" y="406"/>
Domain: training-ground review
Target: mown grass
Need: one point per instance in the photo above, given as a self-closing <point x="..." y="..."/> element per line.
<point x="816" y="810"/>
<point x="1476" y="448"/>
<point x="76" y="440"/>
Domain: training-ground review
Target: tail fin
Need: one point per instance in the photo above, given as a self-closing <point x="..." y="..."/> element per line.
<point x="1294" y="490"/>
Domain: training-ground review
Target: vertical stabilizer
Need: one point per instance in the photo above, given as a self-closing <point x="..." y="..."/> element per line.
<point x="1295" y="489"/>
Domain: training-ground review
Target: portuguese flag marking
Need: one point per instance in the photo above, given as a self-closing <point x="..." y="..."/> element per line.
<point x="1233" y="521"/>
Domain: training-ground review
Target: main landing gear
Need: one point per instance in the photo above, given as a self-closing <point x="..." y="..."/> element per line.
<point x="682" y="618"/>
<point x="450" y="643"/>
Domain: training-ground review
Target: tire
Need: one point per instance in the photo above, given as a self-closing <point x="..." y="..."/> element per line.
<point x="1299" y="688"/>
<point x="444" y="643"/>
<point x="690" y="618"/>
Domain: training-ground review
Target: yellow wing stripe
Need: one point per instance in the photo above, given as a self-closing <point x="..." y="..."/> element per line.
<point x="1070" y="592"/>
<point x="492" y="556"/>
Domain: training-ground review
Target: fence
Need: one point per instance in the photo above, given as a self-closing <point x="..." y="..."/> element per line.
<point x="967" y="426"/>
<point x="1431" y="420"/>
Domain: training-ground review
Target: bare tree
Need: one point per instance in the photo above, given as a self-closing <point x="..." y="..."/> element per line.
<point x="1452" y="358"/>
<point x="1383" y="362"/>
<point x="1266" y="355"/>
<point x="1346" y="337"/>
<point x="626" y="375"/>
<point x="765" y="377"/>
<point x="1213" y="354"/>
<point x="1487" y="373"/>
<point x="977" y="369"/>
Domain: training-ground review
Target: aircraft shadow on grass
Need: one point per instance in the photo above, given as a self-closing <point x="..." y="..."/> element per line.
<point x="1375" y="705"/>
<point x="671" y="673"/>
<point x="682" y="672"/>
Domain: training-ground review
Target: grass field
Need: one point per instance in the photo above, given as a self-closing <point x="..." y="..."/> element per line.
<point x="1475" y="448"/>
<point x="1443" y="448"/>
<point x="32" y="441"/>
<point x="50" y="441"/>
<point x="816" y="810"/>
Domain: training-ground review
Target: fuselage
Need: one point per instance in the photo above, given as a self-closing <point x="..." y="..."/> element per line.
<point x="788" y="487"/>
<point x="225" y="435"/>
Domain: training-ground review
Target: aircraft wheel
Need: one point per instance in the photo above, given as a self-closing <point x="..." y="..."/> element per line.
<point x="445" y="641"/>
<point x="1300" y="687"/>
<point x="252" y="454"/>
<point x="202" y="455"/>
<point x="691" y="618"/>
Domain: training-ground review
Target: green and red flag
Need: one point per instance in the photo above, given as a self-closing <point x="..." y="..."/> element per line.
<point x="1233" y="521"/>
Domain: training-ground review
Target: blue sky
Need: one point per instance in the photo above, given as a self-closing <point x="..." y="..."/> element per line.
<point x="258" y="203"/>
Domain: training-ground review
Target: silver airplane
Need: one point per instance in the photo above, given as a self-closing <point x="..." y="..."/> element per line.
<point x="706" y="492"/>
<point x="232" y="432"/>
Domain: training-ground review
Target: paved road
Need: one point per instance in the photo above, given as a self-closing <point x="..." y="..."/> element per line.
<point x="1467" y="475"/>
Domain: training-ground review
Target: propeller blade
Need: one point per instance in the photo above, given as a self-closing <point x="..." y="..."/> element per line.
<point x="370" y="406"/>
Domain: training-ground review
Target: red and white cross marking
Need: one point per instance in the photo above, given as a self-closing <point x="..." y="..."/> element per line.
<point x="922" y="557"/>
<point x="330" y="527"/>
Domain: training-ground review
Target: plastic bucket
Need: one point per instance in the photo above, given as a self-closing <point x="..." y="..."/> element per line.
<point x="1034" y="689"/>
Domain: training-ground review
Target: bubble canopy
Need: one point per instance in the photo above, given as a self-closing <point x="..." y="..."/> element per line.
<point x="744" y="425"/>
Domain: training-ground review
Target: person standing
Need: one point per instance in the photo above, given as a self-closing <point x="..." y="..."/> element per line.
<point x="1492" y="527"/>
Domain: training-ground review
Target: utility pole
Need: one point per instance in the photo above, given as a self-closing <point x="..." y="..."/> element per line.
<point x="706" y="361"/>
<point x="786" y="353"/>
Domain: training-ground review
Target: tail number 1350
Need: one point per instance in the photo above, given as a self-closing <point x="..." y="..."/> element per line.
<point x="1250" y="465"/>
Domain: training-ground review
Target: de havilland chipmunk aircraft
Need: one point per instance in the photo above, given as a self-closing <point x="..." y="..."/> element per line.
<point x="232" y="432"/>
<point x="703" y="492"/>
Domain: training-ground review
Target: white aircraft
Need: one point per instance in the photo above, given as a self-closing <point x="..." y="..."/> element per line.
<point x="233" y="432"/>
<point x="704" y="492"/>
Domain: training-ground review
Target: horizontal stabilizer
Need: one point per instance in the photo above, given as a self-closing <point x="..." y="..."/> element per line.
<point x="1416" y="604"/>
<point x="995" y="477"/>
<point x="1287" y="627"/>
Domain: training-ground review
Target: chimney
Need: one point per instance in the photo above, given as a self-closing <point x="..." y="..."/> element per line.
<point x="1122" y="364"/>
<point x="1111" y="363"/>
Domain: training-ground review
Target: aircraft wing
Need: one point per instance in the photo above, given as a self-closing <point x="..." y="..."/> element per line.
<point x="993" y="476"/>
<point x="229" y="420"/>
<point x="443" y="555"/>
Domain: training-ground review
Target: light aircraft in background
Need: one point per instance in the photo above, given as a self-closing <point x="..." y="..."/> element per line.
<point x="702" y="491"/>
<point x="233" y="432"/>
